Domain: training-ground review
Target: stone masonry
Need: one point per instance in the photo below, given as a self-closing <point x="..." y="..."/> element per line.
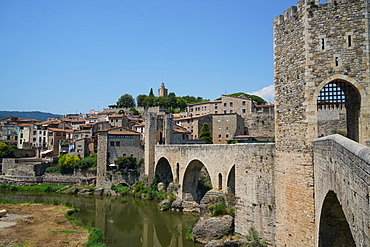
<point x="343" y="167"/>
<point x="314" y="44"/>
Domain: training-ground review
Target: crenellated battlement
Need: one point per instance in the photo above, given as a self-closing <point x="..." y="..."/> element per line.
<point x="309" y="7"/>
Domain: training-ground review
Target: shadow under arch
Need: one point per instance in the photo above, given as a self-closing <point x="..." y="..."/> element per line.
<point x="231" y="185"/>
<point x="334" y="229"/>
<point x="196" y="181"/>
<point x="163" y="171"/>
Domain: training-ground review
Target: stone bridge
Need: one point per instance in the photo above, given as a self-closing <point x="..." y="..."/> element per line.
<point x="341" y="181"/>
<point x="342" y="189"/>
<point x="243" y="170"/>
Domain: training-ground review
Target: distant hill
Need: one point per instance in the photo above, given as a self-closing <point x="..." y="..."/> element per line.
<point x="42" y="116"/>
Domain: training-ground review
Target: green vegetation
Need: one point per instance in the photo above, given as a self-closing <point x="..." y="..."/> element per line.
<point x="87" y="162"/>
<point x="220" y="208"/>
<point x="35" y="188"/>
<point x="340" y="132"/>
<point x="126" y="162"/>
<point x="134" y="111"/>
<point x="126" y="100"/>
<point x="189" y="234"/>
<point x="256" y="98"/>
<point x="205" y="134"/>
<point x="66" y="163"/>
<point x="253" y="239"/>
<point x="7" y="150"/>
<point x="121" y="189"/>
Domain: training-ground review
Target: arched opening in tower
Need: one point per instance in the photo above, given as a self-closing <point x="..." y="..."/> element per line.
<point x="334" y="229"/>
<point x="163" y="171"/>
<point x="338" y="110"/>
<point x="196" y="181"/>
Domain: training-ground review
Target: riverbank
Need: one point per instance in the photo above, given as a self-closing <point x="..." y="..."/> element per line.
<point x="41" y="225"/>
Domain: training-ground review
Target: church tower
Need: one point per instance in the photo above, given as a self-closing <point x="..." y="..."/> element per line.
<point x="322" y="79"/>
<point x="163" y="91"/>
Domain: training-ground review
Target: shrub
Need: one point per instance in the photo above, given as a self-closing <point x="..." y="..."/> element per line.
<point x="253" y="239"/>
<point x="120" y="189"/>
<point x="126" y="162"/>
<point x="87" y="162"/>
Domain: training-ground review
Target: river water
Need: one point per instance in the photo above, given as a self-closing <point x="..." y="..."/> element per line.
<point x="124" y="221"/>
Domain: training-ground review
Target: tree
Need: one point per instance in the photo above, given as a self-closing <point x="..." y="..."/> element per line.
<point x="151" y="94"/>
<point x="126" y="162"/>
<point x="181" y="103"/>
<point x="172" y="100"/>
<point x="66" y="162"/>
<point x="126" y="100"/>
<point x="7" y="150"/>
<point x="140" y="100"/>
<point x="205" y="133"/>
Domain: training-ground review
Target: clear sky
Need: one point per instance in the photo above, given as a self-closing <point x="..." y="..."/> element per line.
<point x="68" y="56"/>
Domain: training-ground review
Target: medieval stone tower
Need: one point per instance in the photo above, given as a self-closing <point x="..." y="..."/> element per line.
<point x="321" y="58"/>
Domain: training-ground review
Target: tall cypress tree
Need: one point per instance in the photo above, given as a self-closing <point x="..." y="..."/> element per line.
<point x="205" y="133"/>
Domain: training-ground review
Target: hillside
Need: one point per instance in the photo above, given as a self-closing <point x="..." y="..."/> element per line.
<point x="41" y="116"/>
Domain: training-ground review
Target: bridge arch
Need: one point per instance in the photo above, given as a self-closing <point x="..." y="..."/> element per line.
<point x="163" y="171"/>
<point x="334" y="228"/>
<point x="196" y="181"/>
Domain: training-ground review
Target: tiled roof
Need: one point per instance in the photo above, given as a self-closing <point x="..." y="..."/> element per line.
<point x="115" y="132"/>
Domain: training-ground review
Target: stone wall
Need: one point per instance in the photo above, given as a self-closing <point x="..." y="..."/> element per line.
<point x="119" y="177"/>
<point x="260" y="124"/>
<point x="331" y="121"/>
<point x="343" y="167"/>
<point x="23" y="168"/>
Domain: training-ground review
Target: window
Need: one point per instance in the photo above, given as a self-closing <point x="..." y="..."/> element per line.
<point x="9" y="131"/>
<point x="118" y="144"/>
<point x="231" y="104"/>
<point x="219" y="136"/>
<point x="337" y="61"/>
<point x="227" y="136"/>
<point x="231" y="111"/>
<point x="243" y="111"/>
<point x="243" y="103"/>
<point x="216" y="107"/>
<point x="21" y="135"/>
<point x="322" y="44"/>
<point x="227" y="128"/>
<point x="349" y="41"/>
<point x="225" y="111"/>
<point x="34" y="133"/>
<point x="225" y="104"/>
<point x="112" y="144"/>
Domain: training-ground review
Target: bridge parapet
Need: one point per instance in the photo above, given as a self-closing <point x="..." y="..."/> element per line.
<point x="342" y="166"/>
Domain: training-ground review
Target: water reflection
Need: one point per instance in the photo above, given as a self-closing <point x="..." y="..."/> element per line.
<point x="125" y="221"/>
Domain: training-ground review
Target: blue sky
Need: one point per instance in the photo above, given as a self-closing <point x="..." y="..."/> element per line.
<point x="68" y="56"/>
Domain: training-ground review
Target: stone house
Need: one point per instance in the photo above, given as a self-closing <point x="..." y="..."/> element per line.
<point x="226" y="126"/>
<point x="119" y="142"/>
<point x="9" y="132"/>
<point x="120" y="120"/>
<point x="194" y="124"/>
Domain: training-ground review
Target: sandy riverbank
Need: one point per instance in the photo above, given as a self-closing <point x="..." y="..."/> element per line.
<point x="30" y="224"/>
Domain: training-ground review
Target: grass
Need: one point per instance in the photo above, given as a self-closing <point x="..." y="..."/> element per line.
<point x="35" y="188"/>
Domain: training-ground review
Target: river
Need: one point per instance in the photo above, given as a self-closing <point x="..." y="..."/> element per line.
<point x="124" y="221"/>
